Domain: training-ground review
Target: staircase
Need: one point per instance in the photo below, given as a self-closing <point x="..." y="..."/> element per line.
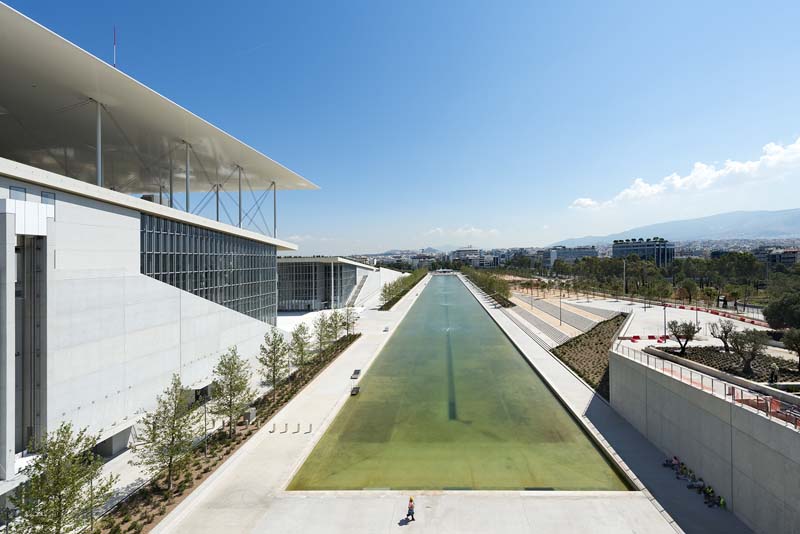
<point x="354" y="295"/>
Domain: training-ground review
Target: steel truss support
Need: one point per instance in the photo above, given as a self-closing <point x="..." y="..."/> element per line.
<point x="99" y="145"/>
<point x="274" y="209"/>
<point x="188" y="154"/>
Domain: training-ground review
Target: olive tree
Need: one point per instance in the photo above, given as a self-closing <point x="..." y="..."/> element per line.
<point x="231" y="389"/>
<point x="791" y="340"/>
<point x="722" y="331"/>
<point x="683" y="332"/>
<point x="64" y="484"/>
<point x="749" y="345"/>
<point x="166" y="434"/>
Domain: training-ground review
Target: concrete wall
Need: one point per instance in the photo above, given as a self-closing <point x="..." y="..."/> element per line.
<point x="751" y="461"/>
<point x="370" y="293"/>
<point x="113" y="336"/>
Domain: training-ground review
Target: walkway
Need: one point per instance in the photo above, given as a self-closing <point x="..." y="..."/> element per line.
<point x="239" y="495"/>
<point x="641" y="458"/>
<point x="246" y="494"/>
<point x="563" y="314"/>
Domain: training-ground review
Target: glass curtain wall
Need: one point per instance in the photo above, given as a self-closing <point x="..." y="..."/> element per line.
<point x="306" y="286"/>
<point x="232" y="271"/>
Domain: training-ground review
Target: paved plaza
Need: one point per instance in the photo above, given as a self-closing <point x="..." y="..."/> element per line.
<point x="246" y="494"/>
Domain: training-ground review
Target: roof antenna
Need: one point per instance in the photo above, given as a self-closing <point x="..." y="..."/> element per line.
<point x="115" y="46"/>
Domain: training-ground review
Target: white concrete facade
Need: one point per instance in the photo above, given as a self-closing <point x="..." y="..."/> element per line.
<point x="109" y="338"/>
<point x="750" y="460"/>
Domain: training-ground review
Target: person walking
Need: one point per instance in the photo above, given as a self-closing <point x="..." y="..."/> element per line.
<point x="410" y="513"/>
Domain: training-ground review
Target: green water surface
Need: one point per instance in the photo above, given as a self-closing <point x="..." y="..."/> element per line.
<point x="450" y="403"/>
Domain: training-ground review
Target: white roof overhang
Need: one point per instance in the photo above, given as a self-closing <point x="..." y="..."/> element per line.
<point x="48" y="112"/>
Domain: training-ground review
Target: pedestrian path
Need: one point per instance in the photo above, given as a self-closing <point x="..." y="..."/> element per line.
<point x="557" y="336"/>
<point x="600" y="312"/>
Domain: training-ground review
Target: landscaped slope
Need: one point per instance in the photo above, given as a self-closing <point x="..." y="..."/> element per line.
<point x="587" y="354"/>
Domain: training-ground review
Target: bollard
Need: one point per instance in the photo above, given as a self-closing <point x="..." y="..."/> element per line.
<point x="273" y="429"/>
<point x="285" y="429"/>
<point x="309" y="428"/>
<point x="298" y="429"/>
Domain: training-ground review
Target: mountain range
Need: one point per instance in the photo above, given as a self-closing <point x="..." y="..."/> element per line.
<point x="730" y="225"/>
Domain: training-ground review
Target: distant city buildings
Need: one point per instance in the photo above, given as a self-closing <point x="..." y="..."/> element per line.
<point x="787" y="257"/>
<point x="658" y="249"/>
<point x="547" y="257"/>
<point x="468" y="255"/>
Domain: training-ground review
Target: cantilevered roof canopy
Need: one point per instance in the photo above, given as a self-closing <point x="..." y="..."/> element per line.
<point x="48" y="115"/>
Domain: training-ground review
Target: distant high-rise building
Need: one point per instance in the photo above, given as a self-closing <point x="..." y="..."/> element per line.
<point x="549" y="256"/>
<point x="661" y="251"/>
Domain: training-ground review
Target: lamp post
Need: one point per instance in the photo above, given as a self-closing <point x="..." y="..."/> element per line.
<point x="665" y="319"/>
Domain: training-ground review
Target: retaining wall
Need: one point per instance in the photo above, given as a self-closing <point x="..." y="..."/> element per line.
<point x="751" y="461"/>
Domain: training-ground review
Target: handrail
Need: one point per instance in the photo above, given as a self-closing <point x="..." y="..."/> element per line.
<point x="774" y="409"/>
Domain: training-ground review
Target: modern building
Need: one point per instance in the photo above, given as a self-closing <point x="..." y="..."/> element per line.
<point x="787" y="257"/>
<point x="117" y="268"/>
<point x="657" y="249"/>
<point x="549" y="256"/>
<point x="468" y="255"/>
<point x="319" y="282"/>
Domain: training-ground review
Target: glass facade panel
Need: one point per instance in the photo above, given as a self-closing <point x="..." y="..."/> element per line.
<point x="232" y="271"/>
<point x="306" y="286"/>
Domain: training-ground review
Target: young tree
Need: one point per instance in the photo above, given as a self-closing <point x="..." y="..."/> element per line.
<point x="791" y="340"/>
<point x="349" y="319"/>
<point x="683" y="332"/>
<point x="231" y="389"/>
<point x="710" y="295"/>
<point x="689" y="288"/>
<point x="748" y="345"/>
<point x="335" y="325"/>
<point x="167" y="434"/>
<point x="722" y="331"/>
<point x="274" y="359"/>
<point x="64" y="486"/>
<point x="321" y="332"/>
<point x="300" y="346"/>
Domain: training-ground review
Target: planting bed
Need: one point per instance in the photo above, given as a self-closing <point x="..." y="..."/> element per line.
<point x="717" y="358"/>
<point x="142" y="510"/>
<point x="587" y="354"/>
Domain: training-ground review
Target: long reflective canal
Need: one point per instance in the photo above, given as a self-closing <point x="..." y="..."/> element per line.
<point x="451" y="404"/>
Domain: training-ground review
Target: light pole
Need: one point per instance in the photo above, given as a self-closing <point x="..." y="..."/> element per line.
<point x="665" y="319"/>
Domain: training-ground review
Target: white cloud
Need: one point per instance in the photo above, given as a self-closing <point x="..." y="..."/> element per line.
<point x="303" y="238"/>
<point x="775" y="163"/>
<point x="465" y="231"/>
<point x="584" y="203"/>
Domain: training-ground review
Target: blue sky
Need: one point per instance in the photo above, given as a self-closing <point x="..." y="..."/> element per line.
<point x="484" y="123"/>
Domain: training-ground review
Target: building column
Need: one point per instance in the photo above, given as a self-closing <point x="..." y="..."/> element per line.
<point x="8" y="240"/>
<point x="274" y="210"/>
<point x="332" y="292"/>
<point x="99" y="143"/>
